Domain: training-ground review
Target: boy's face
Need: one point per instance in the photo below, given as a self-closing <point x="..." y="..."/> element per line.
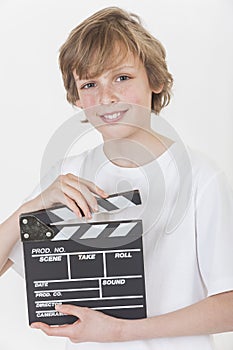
<point x="113" y="101"/>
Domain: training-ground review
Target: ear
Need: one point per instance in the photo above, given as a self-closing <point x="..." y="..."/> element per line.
<point x="158" y="90"/>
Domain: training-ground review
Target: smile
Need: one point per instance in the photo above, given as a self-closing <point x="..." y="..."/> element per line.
<point x="112" y="117"/>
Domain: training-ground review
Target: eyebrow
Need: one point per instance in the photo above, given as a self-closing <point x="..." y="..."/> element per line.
<point x="113" y="70"/>
<point x="122" y="67"/>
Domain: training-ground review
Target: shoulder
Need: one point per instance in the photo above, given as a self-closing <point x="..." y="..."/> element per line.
<point x="203" y="166"/>
<point x="72" y="164"/>
<point x="67" y="165"/>
<point x="196" y="170"/>
<point x="191" y="165"/>
<point x="77" y="163"/>
<point x="208" y="178"/>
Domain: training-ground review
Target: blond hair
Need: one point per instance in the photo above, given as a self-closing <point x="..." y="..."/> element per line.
<point x="93" y="47"/>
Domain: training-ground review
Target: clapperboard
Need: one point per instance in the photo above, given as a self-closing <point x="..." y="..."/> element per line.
<point x="96" y="263"/>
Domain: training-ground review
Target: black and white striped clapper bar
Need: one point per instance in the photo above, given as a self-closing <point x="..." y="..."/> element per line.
<point x="96" y="263"/>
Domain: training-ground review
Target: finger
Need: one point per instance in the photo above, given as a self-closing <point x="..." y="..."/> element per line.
<point x="65" y="331"/>
<point x="86" y="188"/>
<point x="73" y="206"/>
<point x="73" y="310"/>
<point x="76" y="196"/>
<point x="61" y="197"/>
<point x="78" y="192"/>
<point x="89" y="197"/>
<point x="91" y="186"/>
<point x="95" y="189"/>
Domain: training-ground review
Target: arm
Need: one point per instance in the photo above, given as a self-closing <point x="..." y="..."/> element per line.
<point x="211" y="315"/>
<point x="66" y="189"/>
<point x="9" y="234"/>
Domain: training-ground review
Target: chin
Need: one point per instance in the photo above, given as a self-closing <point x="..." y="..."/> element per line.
<point x="114" y="131"/>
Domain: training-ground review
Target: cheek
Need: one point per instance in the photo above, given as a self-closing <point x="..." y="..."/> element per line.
<point x="130" y="96"/>
<point x="137" y="96"/>
<point x="87" y="101"/>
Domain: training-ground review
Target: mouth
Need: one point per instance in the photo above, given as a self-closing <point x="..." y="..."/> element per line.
<point x="113" y="117"/>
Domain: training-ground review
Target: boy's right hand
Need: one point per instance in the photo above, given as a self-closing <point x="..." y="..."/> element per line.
<point x="72" y="191"/>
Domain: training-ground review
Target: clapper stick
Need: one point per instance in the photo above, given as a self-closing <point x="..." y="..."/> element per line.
<point x="97" y="264"/>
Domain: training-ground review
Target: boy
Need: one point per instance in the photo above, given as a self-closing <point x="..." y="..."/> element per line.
<point x="116" y="71"/>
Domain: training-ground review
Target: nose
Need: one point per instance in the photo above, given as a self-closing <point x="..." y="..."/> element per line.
<point x="107" y="94"/>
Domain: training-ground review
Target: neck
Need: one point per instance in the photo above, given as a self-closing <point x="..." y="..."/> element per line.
<point x="130" y="153"/>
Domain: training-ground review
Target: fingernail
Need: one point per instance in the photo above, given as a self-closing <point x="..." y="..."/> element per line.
<point x="96" y="208"/>
<point x="57" y="307"/>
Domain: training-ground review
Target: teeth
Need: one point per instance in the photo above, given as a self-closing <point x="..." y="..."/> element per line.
<point x="112" y="116"/>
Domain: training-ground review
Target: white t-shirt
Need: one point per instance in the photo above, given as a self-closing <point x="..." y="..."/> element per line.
<point x="186" y="211"/>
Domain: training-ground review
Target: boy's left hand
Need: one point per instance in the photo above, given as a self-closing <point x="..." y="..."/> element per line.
<point x="91" y="326"/>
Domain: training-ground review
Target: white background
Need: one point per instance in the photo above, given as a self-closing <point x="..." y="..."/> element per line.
<point x="197" y="35"/>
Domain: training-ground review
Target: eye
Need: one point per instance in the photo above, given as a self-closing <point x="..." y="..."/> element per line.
<point x="88" y="85"/>
<point x="123" y="77"/>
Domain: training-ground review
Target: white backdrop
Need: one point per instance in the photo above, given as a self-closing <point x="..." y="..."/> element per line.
<point x="197" y="35"/>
